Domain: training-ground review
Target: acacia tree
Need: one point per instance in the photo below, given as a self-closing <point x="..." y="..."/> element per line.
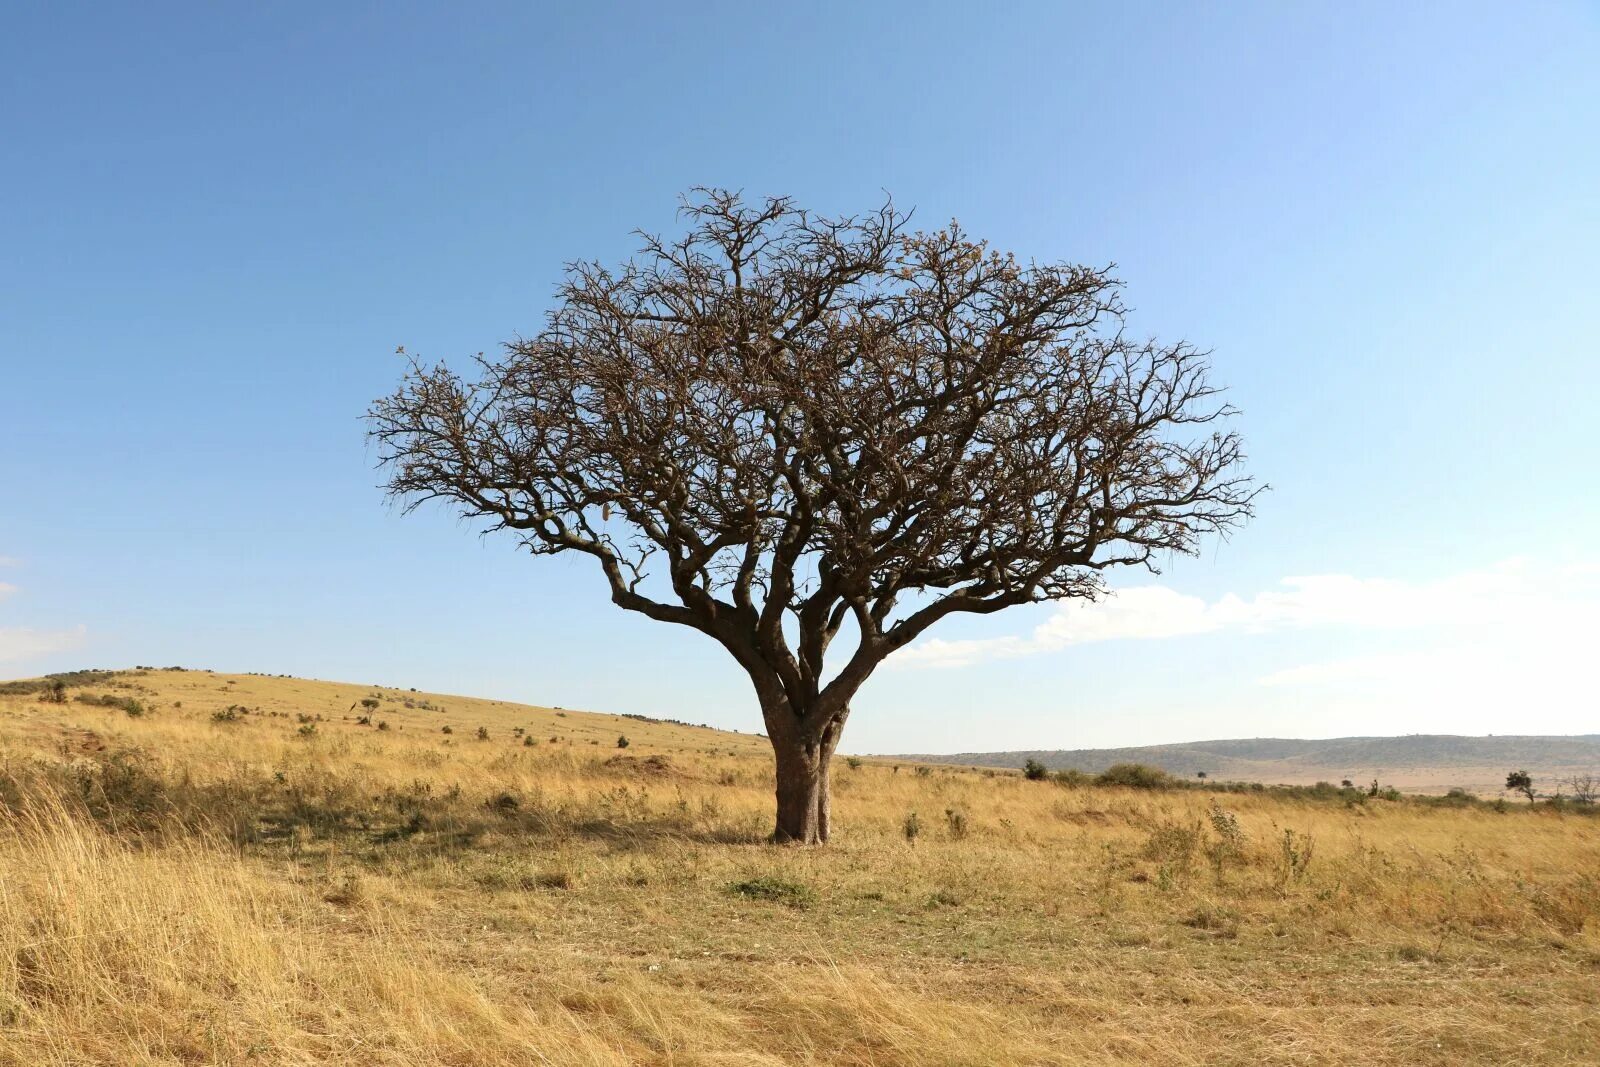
<point x="778" y="427"/>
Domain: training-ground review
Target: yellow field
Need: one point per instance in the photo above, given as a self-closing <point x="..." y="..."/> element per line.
<point x="179" y="890"/>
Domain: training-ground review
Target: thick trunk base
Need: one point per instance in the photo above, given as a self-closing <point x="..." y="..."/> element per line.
<point x="804" y="809"/>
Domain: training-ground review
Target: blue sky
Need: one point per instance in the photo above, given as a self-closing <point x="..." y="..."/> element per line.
<point x="219" y="223"/>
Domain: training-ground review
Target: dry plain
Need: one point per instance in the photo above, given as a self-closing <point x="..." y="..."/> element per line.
<point x="245" y="872"/>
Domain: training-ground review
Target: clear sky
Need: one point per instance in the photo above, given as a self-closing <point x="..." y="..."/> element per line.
<point x="217" y="222"/>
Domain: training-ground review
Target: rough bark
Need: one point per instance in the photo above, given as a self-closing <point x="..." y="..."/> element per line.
<point x="803" y="756"/>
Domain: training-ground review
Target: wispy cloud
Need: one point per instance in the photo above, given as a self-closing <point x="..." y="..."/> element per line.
<point x="20" y="643"/>
<point x="6" y="589"/>
<point x="1513" y="594"/>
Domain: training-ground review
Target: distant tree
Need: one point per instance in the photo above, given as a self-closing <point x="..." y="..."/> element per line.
<point x="1520" y="782"/>
<point x="815" y="425"/>
<point x="1200" y="775"/>
<point x="1034" y="771"/>
<point x="1585" y="788"/>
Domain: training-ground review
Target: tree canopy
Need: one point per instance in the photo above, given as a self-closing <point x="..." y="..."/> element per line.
<point x="778" y="426"/>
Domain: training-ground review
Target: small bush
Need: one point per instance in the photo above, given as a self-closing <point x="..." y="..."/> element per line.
<point x="853" y="762"/>
<point x="528" y="741"/>
<point x="1231" y="840"/>
<point x="1135" y="776"/>
<point x="1294" y="856"/>
<point x="911" y="827"/>
<point x="54" y="692"/>
<point x="132" y="707"/>
<point x="955" y="821"/>
<point x="446" y="730"/>
<point x="622" y="741"/>
<point x="483" y="733"/>
<point x="307" y="730"/>
<point x="1034" y="771"/>
<point x="1072" y="778"/>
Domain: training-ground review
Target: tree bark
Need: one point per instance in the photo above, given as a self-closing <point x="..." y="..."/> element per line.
<point x="804" y="806"/>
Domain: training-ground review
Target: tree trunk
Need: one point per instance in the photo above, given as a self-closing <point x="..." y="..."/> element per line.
<point x="804" y="806"/>
<point x="802" y="793"/>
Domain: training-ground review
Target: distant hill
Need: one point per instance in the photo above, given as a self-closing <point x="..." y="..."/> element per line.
<point x="1424" y="762"/>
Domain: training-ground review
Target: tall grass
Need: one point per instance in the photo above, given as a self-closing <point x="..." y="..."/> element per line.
<point x="179" y="890"/>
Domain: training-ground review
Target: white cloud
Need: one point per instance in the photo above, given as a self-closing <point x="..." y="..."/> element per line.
<point x="1517" y="596"/>
<point x="18" y="643"/>
<point x="6" y="589"/>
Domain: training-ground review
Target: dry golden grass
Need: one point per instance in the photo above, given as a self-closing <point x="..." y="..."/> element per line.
<point x="183" y="891"/>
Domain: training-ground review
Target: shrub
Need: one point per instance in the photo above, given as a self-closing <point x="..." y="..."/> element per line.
<point x="370" y="703"/>
<point x="227" y="714"/>
<point x="956" y="821"/>
<point x="853" y="762"/>
<point x="31" y="686"/>
<point x="1135" y="776"/>
<point x="1294" y="855"/>
<point x="54" y="692"/>
<point x="911" y="827"/>
<point x="483" y="733"/>
<point x="446" y="730"/>
<point x="132" y="707"/>
<point x="622" y="741"/>
<point x="1034" y="771"/>
<point x="308" y="730"/>
<point x="1231" y="840"/>
<point x="382" y="724"/>
<point x="528" y="741"/>
<point x="1072" y="778"/>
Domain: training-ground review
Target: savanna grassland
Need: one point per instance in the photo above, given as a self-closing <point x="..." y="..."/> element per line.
<point x="234" y="869"/>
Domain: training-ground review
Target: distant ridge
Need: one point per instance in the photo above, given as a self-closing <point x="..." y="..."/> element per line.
<point x="1417" y="761"/>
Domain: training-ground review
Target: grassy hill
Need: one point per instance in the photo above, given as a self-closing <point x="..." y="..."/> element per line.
<point x="202" y="868"/>
<point x="1417" y="762"/>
